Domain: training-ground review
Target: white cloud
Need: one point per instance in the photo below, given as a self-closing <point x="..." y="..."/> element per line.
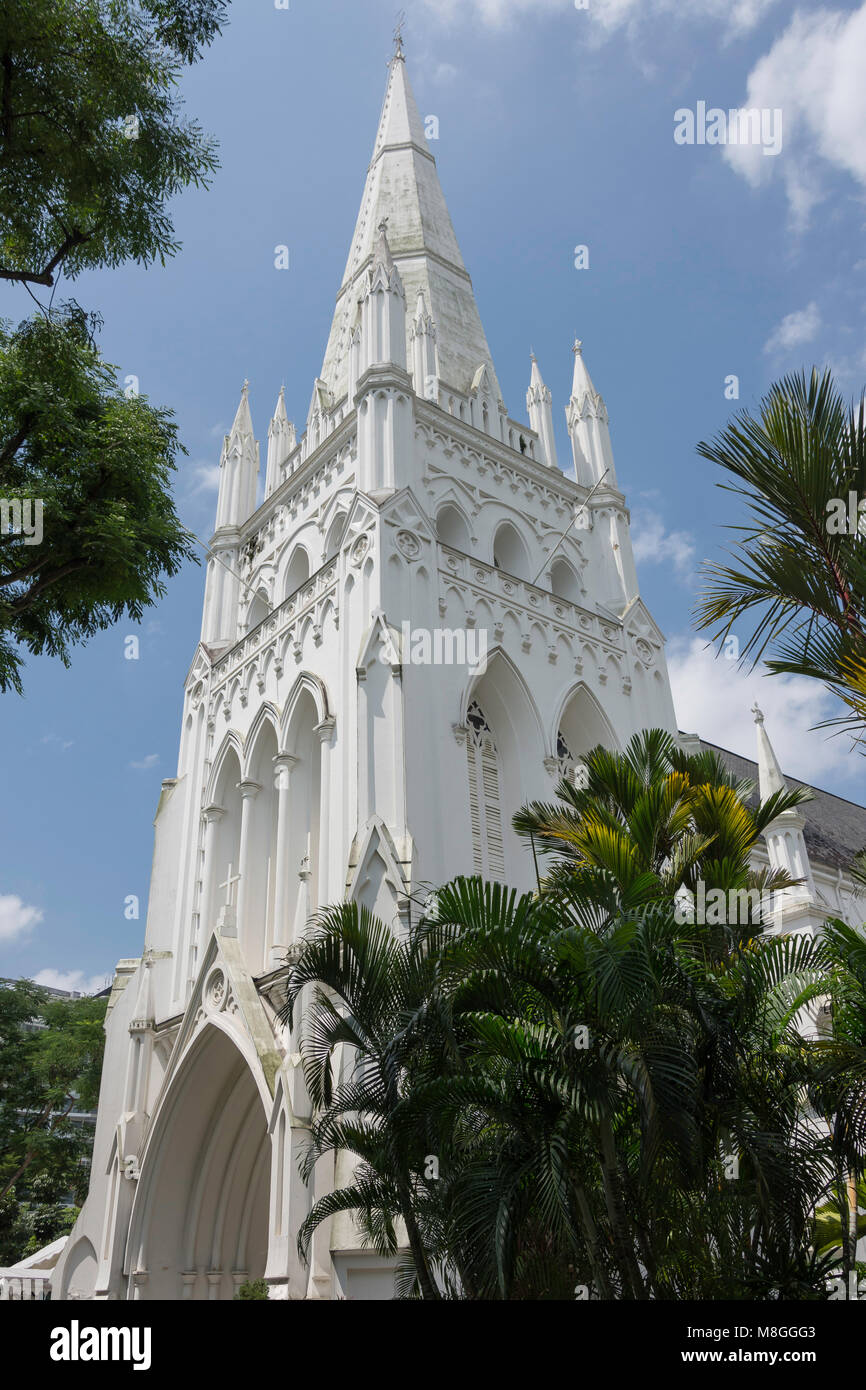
<point x="203" y="477"/>
<point x="150" y="761"/>
<point x="63" y="743"/>
<point x="610" y="15"/>
<point x="814" y="74"/>
<point x="16" y="917"/>
<point x="74" y="980"/>
<point x="795" y="329"/>
<point x="653" y="545"/>
<point x="713" y="697"/>
<point x="445" y="73"/>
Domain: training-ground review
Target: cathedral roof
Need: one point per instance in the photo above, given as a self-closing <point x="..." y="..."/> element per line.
<point x="835" y="829"/>
<point x="403" y="192"/>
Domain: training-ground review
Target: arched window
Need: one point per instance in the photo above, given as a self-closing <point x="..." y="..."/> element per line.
<point x="451" y="528"/>
<point x="564" y="582"/>
<point x="302" y="838"/>
<point x="509" y="552"/>
<point x="223" y="866"/>
<point x="298" y="572"/>
<point x="335" y="536"/>
<point x="485" y="809"/>
<point x="257" y="891"/>
<point x="259" y="610"/>
<point x="582" y="727"/>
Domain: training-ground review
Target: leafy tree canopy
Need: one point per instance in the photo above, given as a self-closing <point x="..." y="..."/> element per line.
<point x="46" y="1071"/>
<point x="99" y="463"/>
<point x="92" y="138"/>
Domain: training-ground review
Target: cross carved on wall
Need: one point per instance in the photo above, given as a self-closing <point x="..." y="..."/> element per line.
<point x="229" y="885"/>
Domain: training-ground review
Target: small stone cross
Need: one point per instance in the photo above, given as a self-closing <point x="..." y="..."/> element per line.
<point x="229" y="885"/>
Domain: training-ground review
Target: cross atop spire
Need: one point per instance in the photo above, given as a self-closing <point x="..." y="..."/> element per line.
<point x="398" y="36"/>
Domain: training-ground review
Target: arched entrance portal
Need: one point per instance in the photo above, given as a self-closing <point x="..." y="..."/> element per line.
<point x="200" y="1222"/>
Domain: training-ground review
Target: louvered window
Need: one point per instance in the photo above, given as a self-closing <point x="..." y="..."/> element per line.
<point x="485" y="808"/>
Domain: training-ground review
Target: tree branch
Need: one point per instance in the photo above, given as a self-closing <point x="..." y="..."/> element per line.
<point x="46" y="277"/>
<point x="25" y="601"/>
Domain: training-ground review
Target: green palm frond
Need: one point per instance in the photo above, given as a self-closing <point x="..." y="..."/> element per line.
<point x="797" y="581"/>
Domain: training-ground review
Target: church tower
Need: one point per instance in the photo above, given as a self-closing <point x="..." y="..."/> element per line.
<point x="423" y="625"/>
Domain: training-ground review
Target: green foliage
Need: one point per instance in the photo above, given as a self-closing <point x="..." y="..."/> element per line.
<point x="649" y="822"/>
<point x="45" y="1073"/>
<point x="798" y="582"/>
<point x="92" y="141"/>
<point x="253" y="1289"/>
<point x="30" y="1224"/>
<point x="576" y="1090"/>
<point x="100" y="463"/>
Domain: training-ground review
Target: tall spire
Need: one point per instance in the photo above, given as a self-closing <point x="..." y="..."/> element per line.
<point x="423" y="357"/>
<point x="281" y="442"/>
<point x="770" y="778"/>
<point x="582" y="387"/>
<point x="403" y="187"/>
<point x="586" y="414"/>
<point x="239" y="468"/>
<point x="383" y="310"/>
<point x="785" y="840"/>
<point x="539" y="403"/>
<point x="236" y="501"/>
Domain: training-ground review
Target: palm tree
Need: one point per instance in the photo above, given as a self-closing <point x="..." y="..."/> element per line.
<point x="622" y="1073"/>
<point x="584" y="1087"/>
<point x="646" y="824"/>
<point x="841" y="1094"/>
<point x="799" y="574"/>
<point x="373" y="997"/>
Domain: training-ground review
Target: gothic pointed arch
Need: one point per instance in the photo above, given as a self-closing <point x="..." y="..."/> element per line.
<point x="580" y="724"/>
<point x="259" y="609"/>
<point x="453" y="527"/>
<point x="376" y="878"/>
<point x="504" y="764"/>
<point x="315" y="687"/>
<point x="199" y="1225"/>
<point x="258" y="867"/>
<point x="297" y="572"/>
<point x="80" y="1270"/>
<point x="232" y="743"/>
<point x="267" y="713"/>
<point x="306" y="713"/>
<point x="221" y="872"/>
<point x="333" y="522"/>
<point x="510" y="551"/>
<point x="564" y="580"/>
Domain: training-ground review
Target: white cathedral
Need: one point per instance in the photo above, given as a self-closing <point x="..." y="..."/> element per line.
<point x="321" y="760"/>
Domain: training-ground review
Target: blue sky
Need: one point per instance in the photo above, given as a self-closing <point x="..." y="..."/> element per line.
<point x="555" y="130"/>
